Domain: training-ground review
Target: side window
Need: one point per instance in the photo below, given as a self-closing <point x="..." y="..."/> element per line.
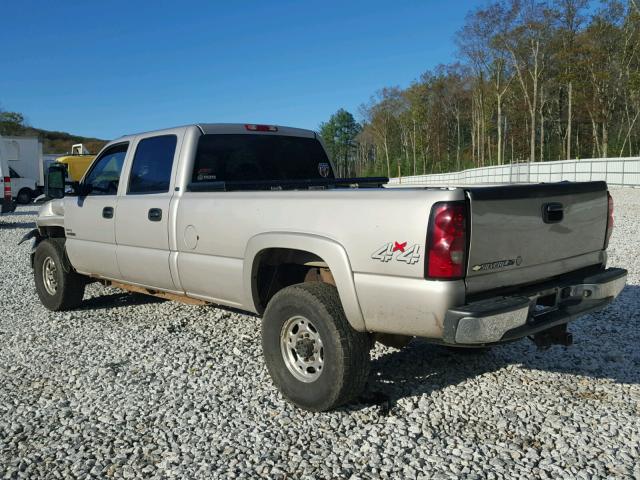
<point x="104" y="176"/>
<point x="13" y="173"/>
<point x="151" y="169"/>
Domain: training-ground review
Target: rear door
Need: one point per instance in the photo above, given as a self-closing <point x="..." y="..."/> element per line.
<point x="89" y="220"/>
<point x="525" y="233"/>
<point x="142" y="221"/>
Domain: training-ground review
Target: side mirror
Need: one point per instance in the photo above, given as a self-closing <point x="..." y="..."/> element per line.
<point x="55" y="182"/>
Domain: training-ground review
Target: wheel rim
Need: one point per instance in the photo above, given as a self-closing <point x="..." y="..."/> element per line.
<point x="49" y="276"/>
<point x="302" y="349"/>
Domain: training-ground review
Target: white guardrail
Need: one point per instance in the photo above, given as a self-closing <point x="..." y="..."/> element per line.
<point x="615" y="171"/>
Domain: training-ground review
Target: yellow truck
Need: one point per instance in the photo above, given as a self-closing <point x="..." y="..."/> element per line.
<point x="78" y="162"/>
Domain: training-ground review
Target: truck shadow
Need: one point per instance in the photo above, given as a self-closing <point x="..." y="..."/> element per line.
<point x="606" y="346"/>
<point x="118" y="299"/>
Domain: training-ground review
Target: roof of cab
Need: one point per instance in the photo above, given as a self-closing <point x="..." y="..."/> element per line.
<point x="222" y="128"/>
<point x="210" y="128"/>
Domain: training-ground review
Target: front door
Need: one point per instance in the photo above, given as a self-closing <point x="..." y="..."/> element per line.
<point x="89" y="220"/>
<point x="142" y="224"/>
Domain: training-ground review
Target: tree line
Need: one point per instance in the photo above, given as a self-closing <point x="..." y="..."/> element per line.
<point x="535" y="80"/>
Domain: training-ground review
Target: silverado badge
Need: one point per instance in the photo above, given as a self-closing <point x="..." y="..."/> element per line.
<point x="496" y="265"/>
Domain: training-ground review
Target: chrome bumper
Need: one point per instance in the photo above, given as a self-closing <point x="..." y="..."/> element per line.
<point x="502" y="319"/>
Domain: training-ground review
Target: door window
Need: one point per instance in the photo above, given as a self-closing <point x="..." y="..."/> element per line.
<point x="104" y="176"/>
<point x="151" y="169"/>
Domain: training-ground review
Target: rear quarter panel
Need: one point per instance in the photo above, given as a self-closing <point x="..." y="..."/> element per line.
<point x="361" y="221"/>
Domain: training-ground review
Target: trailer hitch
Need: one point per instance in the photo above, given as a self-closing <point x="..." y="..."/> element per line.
<point x="557" y="335"/>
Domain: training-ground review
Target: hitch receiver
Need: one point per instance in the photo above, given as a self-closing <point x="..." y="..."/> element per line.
<point x="557" y="335"/>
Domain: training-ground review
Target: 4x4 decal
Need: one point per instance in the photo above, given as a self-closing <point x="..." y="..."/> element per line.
<point x="399" y="251"/>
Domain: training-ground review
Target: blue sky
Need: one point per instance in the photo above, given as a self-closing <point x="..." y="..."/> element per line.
<point x="106" y="69"/>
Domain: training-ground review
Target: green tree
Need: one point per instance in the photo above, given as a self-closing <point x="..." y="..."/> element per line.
<point x="339" y="135"/>
<point x="11" y="123"/>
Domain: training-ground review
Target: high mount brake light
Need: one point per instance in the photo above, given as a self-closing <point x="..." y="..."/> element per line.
<point x="260" y="128"/>
<point x="447" y="241"/>
<point x="610" y="221"/>
<point x="7" y="187"/>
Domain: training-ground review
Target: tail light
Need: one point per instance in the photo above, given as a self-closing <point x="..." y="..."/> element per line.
<point x="260" y="128"/>
<point x="7" y="188"/>
<point x="609" y="220"/>
<point x="447" y="241"/>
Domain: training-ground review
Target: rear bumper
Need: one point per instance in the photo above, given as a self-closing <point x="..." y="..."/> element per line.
<point x="503" y="319"/>
<point x="7" y="205"/>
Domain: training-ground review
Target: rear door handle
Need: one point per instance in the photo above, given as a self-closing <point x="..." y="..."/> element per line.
<point x="155" y="214"/>
<point x="552" y="212"/>
<point x="107" y="212"/>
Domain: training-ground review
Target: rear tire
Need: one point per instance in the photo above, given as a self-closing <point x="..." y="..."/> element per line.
<point x="24" y="196"/>
<point x="58" y="286"/>
<point x="314" y="356"/>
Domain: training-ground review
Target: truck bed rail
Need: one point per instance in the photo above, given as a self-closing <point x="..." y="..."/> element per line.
<point x="239" y="185"/>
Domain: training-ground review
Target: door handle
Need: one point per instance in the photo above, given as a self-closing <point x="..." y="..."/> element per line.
<point x="552" y="213"/>
<point x="155" y="214"/>
<point x="107" y="212"/>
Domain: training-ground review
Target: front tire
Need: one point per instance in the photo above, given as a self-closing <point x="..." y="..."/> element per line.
<point x="314" y="356"/>
<point x="57" y="285"/>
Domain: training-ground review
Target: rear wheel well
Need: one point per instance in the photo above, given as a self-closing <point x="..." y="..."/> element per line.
<point x="278" y="268"/>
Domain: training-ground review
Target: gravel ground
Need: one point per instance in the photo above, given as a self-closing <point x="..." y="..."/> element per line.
<point x="129" y="387"/>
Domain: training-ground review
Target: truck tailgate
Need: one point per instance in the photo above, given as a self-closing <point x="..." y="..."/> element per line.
<point x="526" y="233"/>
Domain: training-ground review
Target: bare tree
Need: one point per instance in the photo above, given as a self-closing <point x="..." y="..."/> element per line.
<point x="569" y="17"/>
<point x="523" y="35"/>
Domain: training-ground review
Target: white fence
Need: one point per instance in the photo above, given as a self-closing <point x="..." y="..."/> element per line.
<point x="615" y="171"/>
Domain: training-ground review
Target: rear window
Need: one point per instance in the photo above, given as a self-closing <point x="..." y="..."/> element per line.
<point x="247" y="157"/>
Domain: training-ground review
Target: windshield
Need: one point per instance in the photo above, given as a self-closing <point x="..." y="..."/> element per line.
<point x="248" y="157"/>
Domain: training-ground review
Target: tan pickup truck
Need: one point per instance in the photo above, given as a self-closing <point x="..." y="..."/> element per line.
<point x="251" y="217"/>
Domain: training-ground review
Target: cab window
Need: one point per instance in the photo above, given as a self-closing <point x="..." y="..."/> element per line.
<point x="151" y="169"/>
<point x="104" y="176"/>
<point x="249" y="157"/>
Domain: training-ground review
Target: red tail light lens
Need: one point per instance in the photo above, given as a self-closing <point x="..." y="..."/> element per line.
<point x="447" y="241"/>
<point x="260" y="128"/>
<point x="609" y="220"/>
<point x="7" y="187"/>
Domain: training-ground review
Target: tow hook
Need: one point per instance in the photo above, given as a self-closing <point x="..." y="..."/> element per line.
<point x="557" y="335"/>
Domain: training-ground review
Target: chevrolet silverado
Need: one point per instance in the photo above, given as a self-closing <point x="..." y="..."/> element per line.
<point x="251" y="217"/>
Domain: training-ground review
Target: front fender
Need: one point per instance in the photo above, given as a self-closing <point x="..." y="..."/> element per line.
<point x="329" y="250"/>
<point x="36" y="237"/>
<point x="35" y="233"/>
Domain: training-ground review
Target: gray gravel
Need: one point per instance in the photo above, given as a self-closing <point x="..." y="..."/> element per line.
<point x="131" y="387"/>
